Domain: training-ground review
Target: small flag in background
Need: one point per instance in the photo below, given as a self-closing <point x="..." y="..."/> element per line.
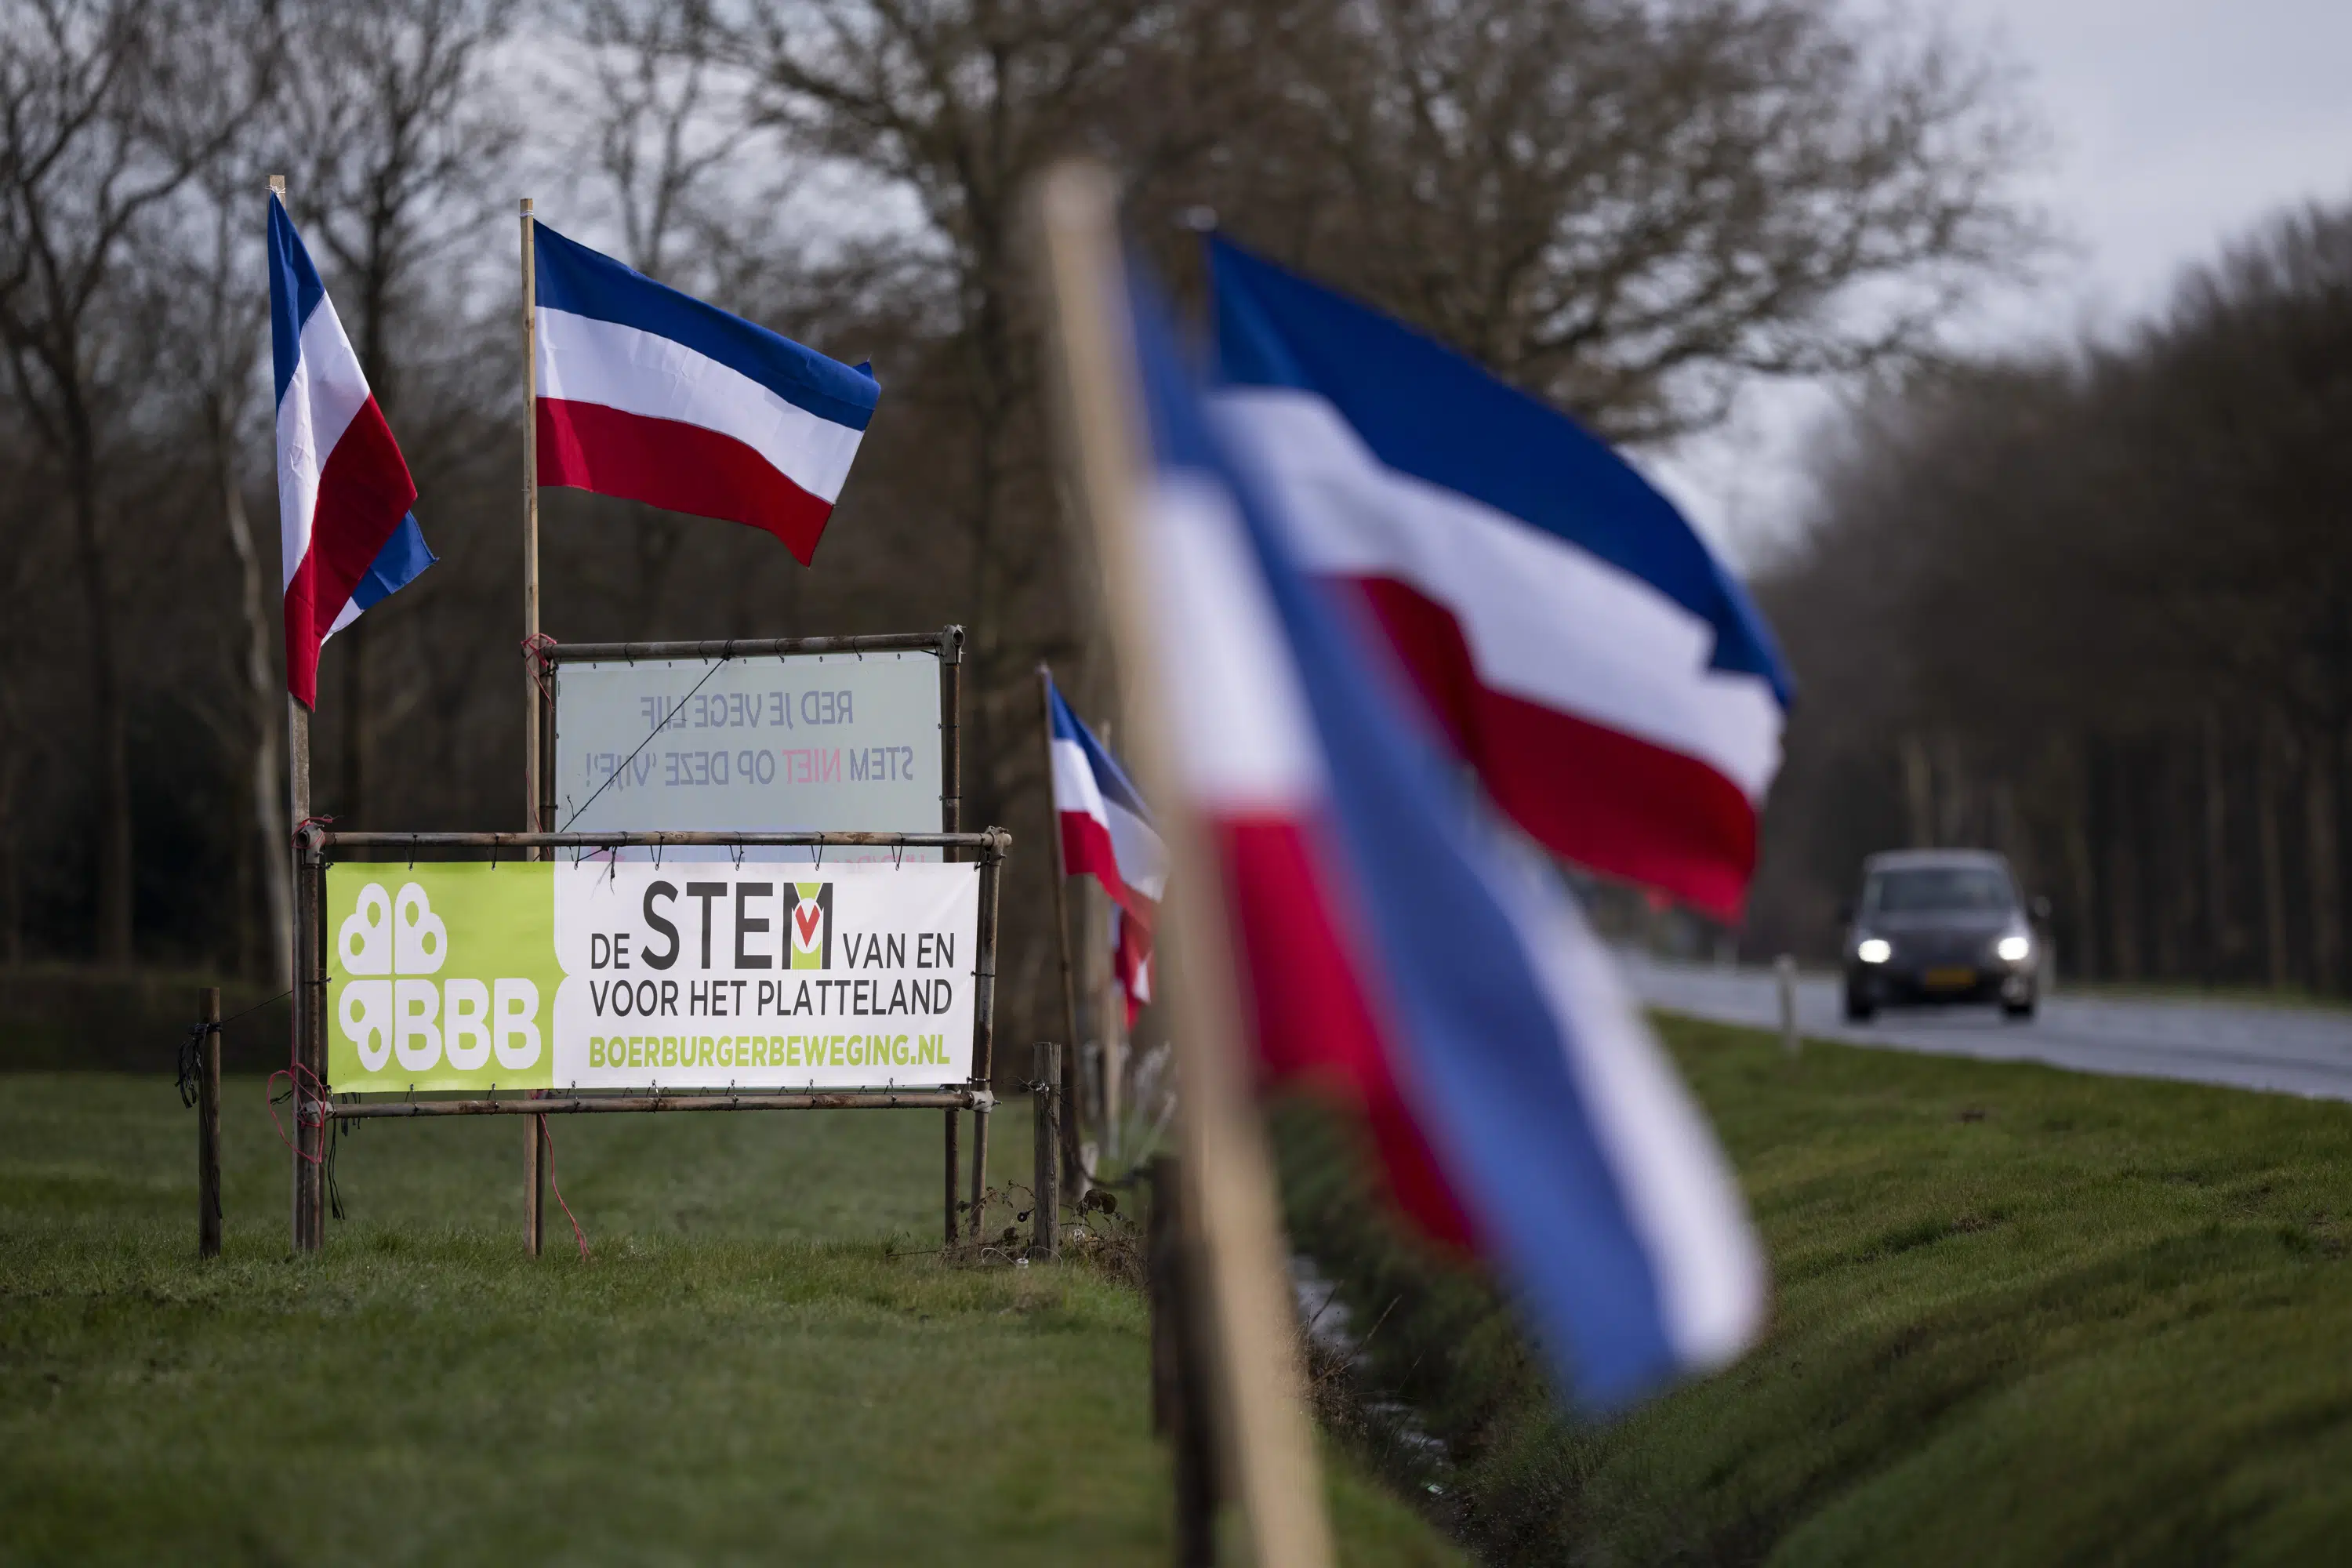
<point x="1395" y="942"/>
<point x="655" y="397"/>
<point x="346" y="535"/>
<point x="1574" y="638"/>
<point x="1106" y="834"/>
<point x="1131" y="962"/>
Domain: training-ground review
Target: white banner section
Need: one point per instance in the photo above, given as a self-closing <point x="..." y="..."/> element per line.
<point x="707" y="974"/>
<point x="798" y="743"/>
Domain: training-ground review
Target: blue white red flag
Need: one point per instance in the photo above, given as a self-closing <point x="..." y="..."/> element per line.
<point x="346" y="536"/>
<point x="1106" y="834"/>
<point x="1575" y="640"/>
<point x="1398" y="946"/>
<point x="1107" y="831"/>
<point x="655" y="397"/>
<point x="1130" y="962"/>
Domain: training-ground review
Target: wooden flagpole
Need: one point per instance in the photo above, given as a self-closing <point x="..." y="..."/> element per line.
<point x="1251" y="1316"/>
<point x="298" y="801"/>
<point x="534" y="695"/>
<point x="1073" y="1176"/>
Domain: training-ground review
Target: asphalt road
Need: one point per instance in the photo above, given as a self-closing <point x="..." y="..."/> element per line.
<point x="2291" y="1050"/>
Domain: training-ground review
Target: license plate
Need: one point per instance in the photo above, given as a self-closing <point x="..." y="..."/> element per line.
<point x="1958" y="979"/>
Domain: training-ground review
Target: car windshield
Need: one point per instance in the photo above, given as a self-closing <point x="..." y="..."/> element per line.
<point x="1940" y="888"/>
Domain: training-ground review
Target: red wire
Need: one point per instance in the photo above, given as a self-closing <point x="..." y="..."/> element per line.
<point x="577" y="1234"/>
<point x="294" y="1073"/>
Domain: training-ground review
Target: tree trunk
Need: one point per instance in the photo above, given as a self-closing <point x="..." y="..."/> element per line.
<point x="1919" y="792"/>
<point x="2219" y="939"/>
<point x="351" y="794"/>
<point x="110" y="743"/>
<point x="2325" y="881"/>
<point x="2273" y="858"/>
<point x="12" y="880"/>
<point x="266" y="786"/>
<point x="1955" y="816"/>
<point x="2122" y="876"/>
<point x="2081" y="874"/>
<point x="2175" y="814"/>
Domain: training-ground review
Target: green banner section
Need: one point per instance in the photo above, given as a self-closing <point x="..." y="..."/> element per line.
<point x="441" y="976"/>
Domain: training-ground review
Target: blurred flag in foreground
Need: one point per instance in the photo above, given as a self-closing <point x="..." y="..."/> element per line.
<point x="655" y="397"/>
<point x="1106" y="834"/>
<point x="1397" y="945"/>
<point x="346" y="537"/>
<point x="1574" y="638"/>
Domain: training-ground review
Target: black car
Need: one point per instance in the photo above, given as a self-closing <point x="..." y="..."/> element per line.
<point x="1940" y="926"/>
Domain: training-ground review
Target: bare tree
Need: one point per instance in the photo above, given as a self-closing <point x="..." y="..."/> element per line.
<point x="1632" y="206"/>
<point x="211" y="326"/>
<point x="107" y="110"/>
<point x="390" y="129"/>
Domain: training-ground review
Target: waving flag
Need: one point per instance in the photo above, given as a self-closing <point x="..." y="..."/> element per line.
<point x="346" y="536"/>
<point x="1130" y="961"/>
<point x="1398" y="946"/>
<point x="655" y="397"/>
<point x="1106" y="834"/>
<point x="1106" y="828"/>
<point x="1575" y="640"/>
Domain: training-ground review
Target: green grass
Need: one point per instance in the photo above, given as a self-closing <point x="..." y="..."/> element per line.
<point x="2023" y="1316"/>
<point x="761" y="1362"/>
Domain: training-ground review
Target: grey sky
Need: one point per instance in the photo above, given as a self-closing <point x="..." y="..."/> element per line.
<point x="2173" y="125"/>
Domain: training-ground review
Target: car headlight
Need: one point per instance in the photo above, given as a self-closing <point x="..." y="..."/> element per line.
<point x="1874" y="950"/>
<point x="2014" y="948"/>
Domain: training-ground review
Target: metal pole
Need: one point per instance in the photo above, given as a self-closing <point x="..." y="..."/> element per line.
<point x="535" y="701"/>
<point x="1046" y="1210"/>
<point x="1073" y="1171"/>
<point x="983" y="1010"/>
<point x="952" y="821"/>
<point x="954" y="1173"/>
<point x="208" y="1173"/>
<point x="1784" y="980"/>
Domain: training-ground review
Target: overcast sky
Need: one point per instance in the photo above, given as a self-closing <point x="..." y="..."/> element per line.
<point x="2173" y="125"/>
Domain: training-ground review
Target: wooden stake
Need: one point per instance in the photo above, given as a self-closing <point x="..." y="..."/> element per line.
<point x="984" y="1011"/>
<point x="1178" y="1375"/>
<point x="1073" y="1171"/>
<point x="309" y="1050"/>
<point x="1251" y="1320"/>
<point x="298" y="801"/>
<point x="208" y="1171"/>
<point x="1045" y="1209"/>
<point x="534" y="698"/>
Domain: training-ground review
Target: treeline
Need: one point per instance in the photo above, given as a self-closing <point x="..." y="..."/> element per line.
<point x="1625" y="204"/>
<point x="2094" y="607"/>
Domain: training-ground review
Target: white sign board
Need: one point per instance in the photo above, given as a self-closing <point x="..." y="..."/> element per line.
<point x="792" y="742"/>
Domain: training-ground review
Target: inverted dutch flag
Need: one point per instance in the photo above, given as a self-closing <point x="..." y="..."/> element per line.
<point x="1107" y="831"/>
<point x="346" y="536"/>
<point x="655" y="397"/>
<point x="1400" y="946"/>
<point x="1106" y="834"/>
<point x="1576" y="641"/>
<point x="1131" y="960"/>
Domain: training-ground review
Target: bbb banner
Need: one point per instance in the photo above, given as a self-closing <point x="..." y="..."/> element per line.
<point x="702" y="974"/>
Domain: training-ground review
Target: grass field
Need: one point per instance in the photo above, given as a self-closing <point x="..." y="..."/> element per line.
<point x="759" y="1363"/>
<point x="2023" y="1316"/>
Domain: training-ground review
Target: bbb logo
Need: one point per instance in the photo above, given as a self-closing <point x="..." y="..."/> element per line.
<point x="409" y="1016"/>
